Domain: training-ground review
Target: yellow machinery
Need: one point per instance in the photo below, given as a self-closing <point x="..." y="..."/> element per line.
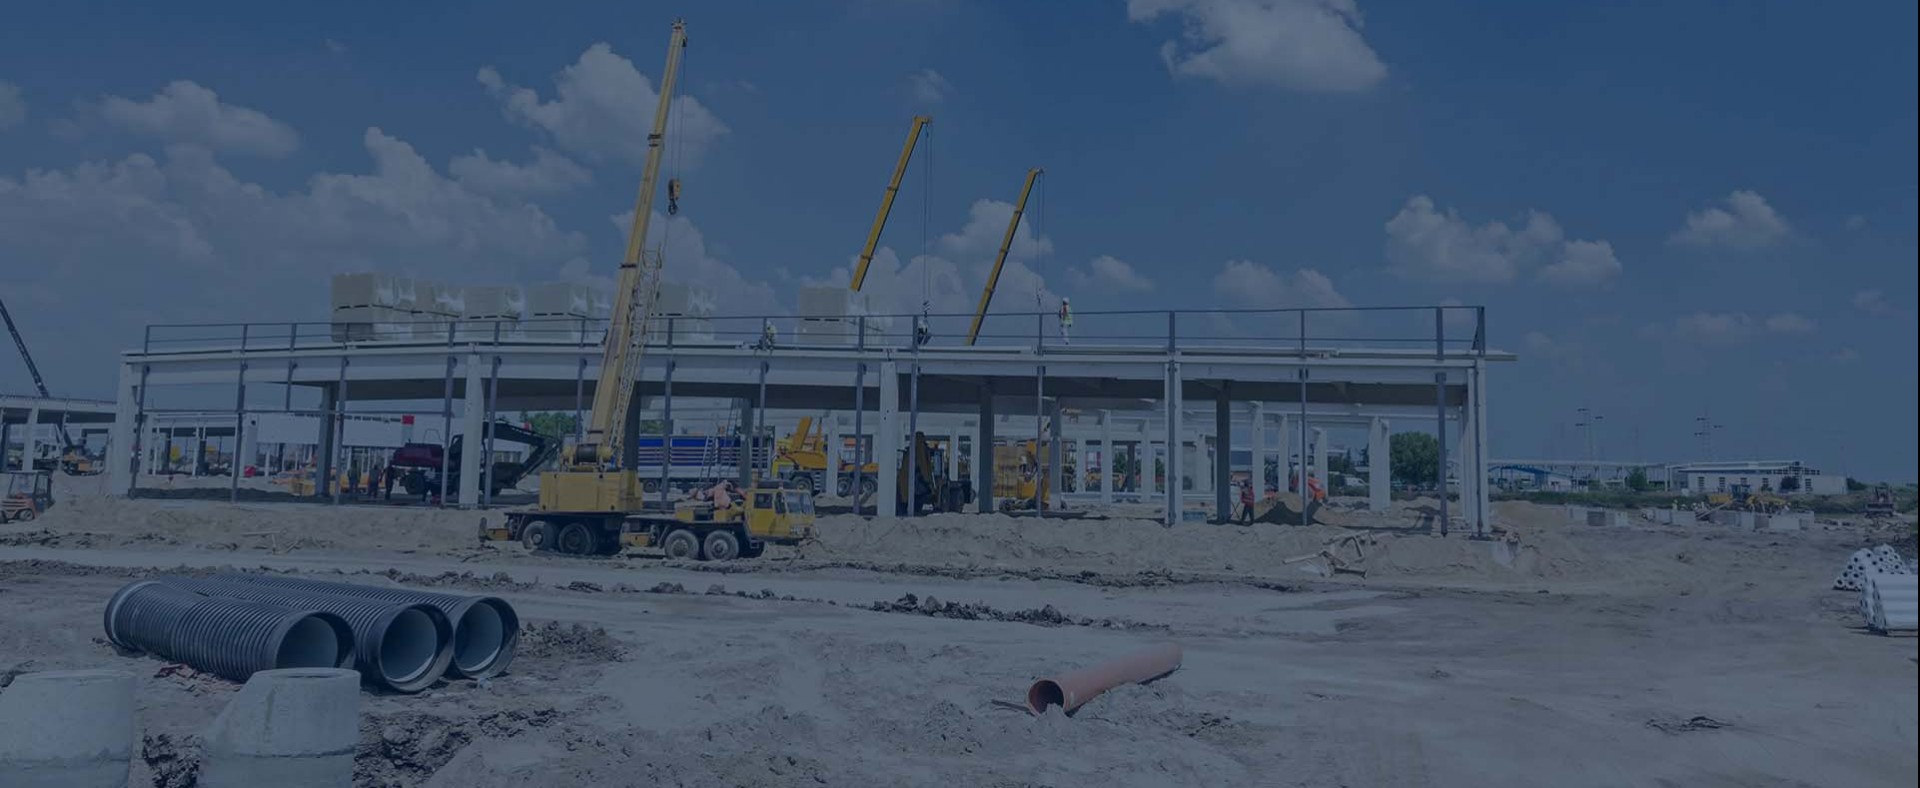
<point x="931" y="489"/>
<point x="26" y="496"/>
<point x="696" y="530"/>
<point x="801" y="460"/>
<point x="1743" y="497"/>
<point x="1000" y="260"/>
<point x="886" y="202"/>
<point x="1018" y="477"/>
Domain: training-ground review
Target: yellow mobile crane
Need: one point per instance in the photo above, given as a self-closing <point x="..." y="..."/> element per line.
<point x="999" y="260"/>
<point x="594" y="504"/>
<point x="886" y="202"/>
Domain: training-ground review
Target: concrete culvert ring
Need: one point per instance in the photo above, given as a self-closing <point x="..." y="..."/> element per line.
<point x="538" y="535"/>
<point x="411" y="654"/>
<point x="576" y="539"/>
<point x="681" y="545"/>
<point x="722" y="546"/>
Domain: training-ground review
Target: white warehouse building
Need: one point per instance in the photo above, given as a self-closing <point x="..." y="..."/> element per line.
<point x="1786" y="477"/>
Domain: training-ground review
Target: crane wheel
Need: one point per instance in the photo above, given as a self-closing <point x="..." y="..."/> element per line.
<point x="869" y="486"/>
<point x="576" y="539"/>
<point x="843" y="487"/>
<point x="722" y="546"/>
<point x="681" y="545"/>
<point x="650" y="486"/>
<point x="804" y="481"/>
<point x="537" y="536"/>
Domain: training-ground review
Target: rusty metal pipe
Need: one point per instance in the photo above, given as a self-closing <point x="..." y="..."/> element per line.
<point x="1070" y="690"/>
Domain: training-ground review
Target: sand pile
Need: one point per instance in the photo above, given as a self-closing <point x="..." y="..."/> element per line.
<point x="105" y="521"/>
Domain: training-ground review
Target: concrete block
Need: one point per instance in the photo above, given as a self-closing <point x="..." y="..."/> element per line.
<point x="70" y="728"/>
<point x="1792" y="521"/>
<point x="292" y="728"/>
<point x="1576" y="514"/>
<point x="1606" y="518"/>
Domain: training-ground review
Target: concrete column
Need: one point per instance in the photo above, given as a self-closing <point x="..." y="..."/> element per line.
<point x="122" y="462"/>
<point x="1107" y="456"/>
<point x="1320" y="458"/>
<point x="1379" y="466"/>
<point x="250" y="445"/>
<point x="323" y="459"/>
<point x="1257" y="450"/>
<point x="983" y="455"/>
<point x="886" y="441"/>
<point x="472" y="415"/>
<point x="199" y="449"/>
<point x="831" y="433"/>
<point x="749" y="433"/>
<point x="1174" y="436"/>
<point x="67" y="729"/>
<point x="1286" y="453"/>
<point x="1483" y="525"/>
<point x="1222" y="460"/>
<point x="6" y="441"/>
<point x="953" y="451"/>
<point x="1056" y="452"/>
<point x="295" y="728"/>
<point x="30" y="440"/>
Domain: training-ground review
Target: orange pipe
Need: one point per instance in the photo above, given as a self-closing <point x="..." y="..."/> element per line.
<point x="1070" y="690"/>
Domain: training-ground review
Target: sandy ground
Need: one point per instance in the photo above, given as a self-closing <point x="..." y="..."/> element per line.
<point x="896" y="652"/>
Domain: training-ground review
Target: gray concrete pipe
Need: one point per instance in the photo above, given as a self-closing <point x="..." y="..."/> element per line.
<point x="1070" y="690"/>
<point x="402" y="646"/>
<point x="485" y="629"/>
<point x="232" y="638"/>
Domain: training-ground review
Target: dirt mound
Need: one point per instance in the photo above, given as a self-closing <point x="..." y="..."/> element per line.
<point x="572" y="642"/>
<point x="87" y="521"/>
<point x="404" y="749"/>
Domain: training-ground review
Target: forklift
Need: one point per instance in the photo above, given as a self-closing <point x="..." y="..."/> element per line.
<point x="28" y="495"/>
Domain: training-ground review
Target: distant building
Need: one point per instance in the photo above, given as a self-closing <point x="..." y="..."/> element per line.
<point x="1702" y="478"/>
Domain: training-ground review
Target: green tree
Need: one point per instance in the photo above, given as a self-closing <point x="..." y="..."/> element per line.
<point x="1340" y="463"/>
<point x="557" y="425"/>
<point x="1415" y="457"/>
<point x="1855" y="485"/>
<point x="1637" y="480"/>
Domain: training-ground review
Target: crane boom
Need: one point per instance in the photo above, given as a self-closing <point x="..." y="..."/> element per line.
<point x="634" y="291"/>
<point x="21" y="343"/>
<point x="1000" y="260"/>
<point x="886" y="202"/>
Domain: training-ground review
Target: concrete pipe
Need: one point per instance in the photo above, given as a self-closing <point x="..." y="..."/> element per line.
<point x="69" y="728"/>
<point x="402" y="646"/>
<point x="286" y="728"/>
<point x="1070" y="690"/>
<point x="485" y="629"/>
<point x="231" y="638"/>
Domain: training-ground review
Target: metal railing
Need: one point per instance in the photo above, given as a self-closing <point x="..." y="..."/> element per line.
<point x="1439" y="330"/>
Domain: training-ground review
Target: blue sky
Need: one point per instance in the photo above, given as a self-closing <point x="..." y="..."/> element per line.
<point x="1666" y="207"/>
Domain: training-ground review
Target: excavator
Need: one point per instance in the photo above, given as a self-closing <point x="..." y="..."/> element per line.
<point x="595" y="503"/>
<point x="931" y="489"/>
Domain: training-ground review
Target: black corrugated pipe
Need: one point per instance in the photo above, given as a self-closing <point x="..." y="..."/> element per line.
<point x="403" y="646"/>
<point x="485" y="628"/>
<point x="231" y="638"/>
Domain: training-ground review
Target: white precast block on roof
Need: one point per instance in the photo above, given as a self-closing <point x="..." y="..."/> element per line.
<point x="406" y="294"/>
<point x="569" y="299"/>
<point x="496" y="301"/>
<point x="364" y="289"/>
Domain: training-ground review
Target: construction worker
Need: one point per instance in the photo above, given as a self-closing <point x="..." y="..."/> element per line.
<point x="769" y="337"/>
<point x="722" y="496"/>
<point x="921" y="332"/>
<point x="1066" y="321"/>
<point x="1246" y="503"/>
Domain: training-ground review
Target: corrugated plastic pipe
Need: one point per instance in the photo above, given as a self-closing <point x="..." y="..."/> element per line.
<point x="231" y="638"/>
<point x="485" y="629"/>
<point x="1070" y="690"/>
<point x="403" y="646"/>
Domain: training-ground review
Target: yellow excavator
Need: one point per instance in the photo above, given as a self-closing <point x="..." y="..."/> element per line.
<point x="594" y="504"/>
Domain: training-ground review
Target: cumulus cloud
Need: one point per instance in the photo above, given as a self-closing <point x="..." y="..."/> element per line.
<point x="1746" y="222"/>
<point x="1790" y="323"/>
<point x="13" y="108"/>
<point x="186" y="112"/>
<point x="603" y="109"/>
<point x="1245" y="283"/>
<point x="548" y="173"/>
<point x="1846" y="355"/>
<point x="1425" y="243"/>
<point x="950" y="278"/>
<point x="1303" y="45"/>
<point x="928" y="86"/>
<point x="1872" y="302"/>
<point x="1108" y="275"/>
<point x="1856" y="222"/>
<point x="202" y="236"/>
<point x="1713" y="328"/>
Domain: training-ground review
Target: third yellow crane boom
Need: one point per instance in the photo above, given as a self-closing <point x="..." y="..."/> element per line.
<point x="886" y="202"/>
<point x="999" y="260"/>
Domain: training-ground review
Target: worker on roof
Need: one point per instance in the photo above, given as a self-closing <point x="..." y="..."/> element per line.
<point x="1066" y="321"/>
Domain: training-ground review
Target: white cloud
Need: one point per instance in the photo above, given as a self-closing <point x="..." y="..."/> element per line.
<point x="1109" y="275"/>
<point x="1424" y="243"/>
<point x="1582" y="263"/>
<point x="548" y="173"/>
<point x="1790" y="323"/>
<point x="603" y="109"/>
<point x="1248" y="284"/>
<point x="950" y="278"/>
<point x="13" y="108"/>
<point x="1305" y="45"/>
<point x="1747" y="222"/>
<point x="1540" y="344"/>
<point x="686" y="259"/>
<point x="1713" y="328"/>
<point x="203" y="240"/>
<point x="1856" y="222"/>
<point x="928" y="86"/>
<point x="186" y="112"/>
<point x="335" y="46"/>
<point x="1846" y="355"/>
<point x="1872" y="302"/>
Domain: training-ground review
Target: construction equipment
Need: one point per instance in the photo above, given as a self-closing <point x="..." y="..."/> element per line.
<point x="28" y="495"/>
<point x="1018" y="480"/>
<point x="1881" y="502"/>
<point x="801" y="460"/>
<point x="1000" y="260"/>
<point x="886" y="202"/>
<point x="769" y="512"/>
<point x="39" y="384"/>
<point x="1743" y="497"/>
<point x="425" y="464"/>
<point x="931" y="489"/>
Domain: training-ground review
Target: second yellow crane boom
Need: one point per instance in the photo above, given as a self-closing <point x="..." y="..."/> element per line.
<point x="1000" y="260"/>
<point x="886" y="202"/>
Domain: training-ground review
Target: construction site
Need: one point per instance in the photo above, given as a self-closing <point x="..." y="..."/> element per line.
<point x="555" y="533"/>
